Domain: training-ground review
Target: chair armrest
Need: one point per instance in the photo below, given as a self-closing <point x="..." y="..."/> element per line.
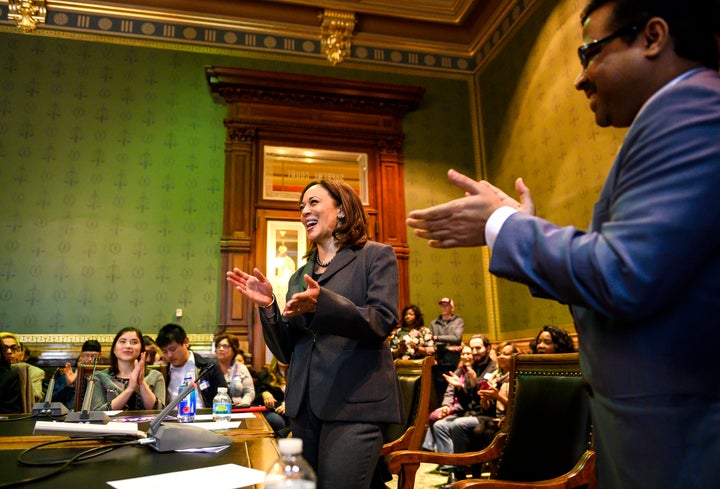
<point x="405" y="463"/>
<point x="401" y="443"/>
<point x="582" y="475"/>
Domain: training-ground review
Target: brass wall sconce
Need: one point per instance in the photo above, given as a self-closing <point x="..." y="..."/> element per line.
<point x="337" y="29"/>
<point x="27" y="13"/>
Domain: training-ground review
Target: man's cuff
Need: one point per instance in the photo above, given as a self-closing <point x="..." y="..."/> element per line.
<point x="495" y="222"/>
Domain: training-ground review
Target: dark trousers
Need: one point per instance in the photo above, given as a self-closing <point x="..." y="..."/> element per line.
<point x="344" y="454"/>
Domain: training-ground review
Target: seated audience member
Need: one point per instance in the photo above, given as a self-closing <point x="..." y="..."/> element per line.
<point x="496" y="391"/>
<point x="11" y="348"/>
<point x="461" y="403"/>
<point x="64" y="390"/>
<point x="151" y="350"/>
<point x="240" y="383"/>
<point x="412" y="339"/>
<point x="270" y="392"/>
<point x="552" y="339"/>
<point x="10" y="397"/>
<point x="127" y="384"/>
<point x="175" y="347"/>
<point x="23" y="354"/>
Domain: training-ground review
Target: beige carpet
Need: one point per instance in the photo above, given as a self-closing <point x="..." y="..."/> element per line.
<point x="425" y="478"/>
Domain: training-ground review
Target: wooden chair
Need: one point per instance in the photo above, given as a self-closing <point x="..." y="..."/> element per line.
<point x="85" y="370"/>
<point x="415" y="378"/>
<point x="545" y="439"/>
<point x="27" y="394"/>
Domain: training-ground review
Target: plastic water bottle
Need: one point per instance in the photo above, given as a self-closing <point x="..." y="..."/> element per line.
<point x="222" y="406"/>
<point x="291" y="470"/>
<point x="186" y="408"/>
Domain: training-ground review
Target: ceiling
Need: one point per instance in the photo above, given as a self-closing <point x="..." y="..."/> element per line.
<point x="456" y="29"/>
<point x="452" y="24"/>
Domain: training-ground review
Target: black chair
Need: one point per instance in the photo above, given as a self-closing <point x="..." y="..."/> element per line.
<point x="416" y="381"/>
<point x="415" y="378"/>
<point x="546" y="437"/>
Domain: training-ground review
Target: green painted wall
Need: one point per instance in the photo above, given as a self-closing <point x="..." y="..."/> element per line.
<point x="537" y="126"/>
<point x="111" y="182"/>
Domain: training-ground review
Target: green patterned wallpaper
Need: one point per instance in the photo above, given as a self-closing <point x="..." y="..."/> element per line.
<point x="536" y="125"/>
<point x="111" y="180"/>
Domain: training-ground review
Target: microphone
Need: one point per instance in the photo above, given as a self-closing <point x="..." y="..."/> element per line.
<point x="49" y="408"/>
<point x="178" y="436"/>
<point x="85" y="415"/>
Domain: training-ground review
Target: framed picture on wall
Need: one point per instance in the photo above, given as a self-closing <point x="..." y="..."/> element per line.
<point x="287" y="170"/>
<point x="286" y="247"/>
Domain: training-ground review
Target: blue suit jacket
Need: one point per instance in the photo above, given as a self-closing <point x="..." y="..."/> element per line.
<point x="339" y="354"/>
<point x="644" y="287"/>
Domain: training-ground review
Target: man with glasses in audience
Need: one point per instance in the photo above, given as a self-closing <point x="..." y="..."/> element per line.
<point x="11" y="348"/>
<point x="643" y="283"/>
<point x="64" y="390"/>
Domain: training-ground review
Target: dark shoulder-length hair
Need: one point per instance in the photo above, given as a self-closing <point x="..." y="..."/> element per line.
<point x="562" y="340"/>
<point x="232" y="340"/>
<point x="353" y="229"/>
<point x="113" y="358"/>
<point x="419" y="321"/>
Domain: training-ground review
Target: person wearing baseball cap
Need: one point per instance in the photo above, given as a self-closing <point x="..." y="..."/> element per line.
<point x="447" y="330"/>
<point x="64" y="390"/>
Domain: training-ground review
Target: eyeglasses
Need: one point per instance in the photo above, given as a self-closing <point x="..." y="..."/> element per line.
<point x="588" y="51"/>
<point x="222" y="347"/>
<point x="12" y="348"/>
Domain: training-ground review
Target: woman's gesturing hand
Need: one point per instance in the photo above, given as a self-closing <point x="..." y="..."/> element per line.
<point x="305" y="301"/>
<point x="255" y="287"/>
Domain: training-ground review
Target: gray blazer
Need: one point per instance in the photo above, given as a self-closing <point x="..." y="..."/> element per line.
<point x="339" y="354"/>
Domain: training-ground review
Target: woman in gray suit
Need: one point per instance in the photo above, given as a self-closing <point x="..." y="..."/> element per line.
<point x="341" y="306"/>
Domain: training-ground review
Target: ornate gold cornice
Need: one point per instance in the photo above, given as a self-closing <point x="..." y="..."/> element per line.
<point x="27" y="13"/>
<point x="336" y="34"/>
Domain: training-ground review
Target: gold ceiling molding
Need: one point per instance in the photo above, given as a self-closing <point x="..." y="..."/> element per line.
<point x="442" y="11"/>
<point x="336" y="34"/>
<point x="347" y="35"/>
<point x="27" y="13"/>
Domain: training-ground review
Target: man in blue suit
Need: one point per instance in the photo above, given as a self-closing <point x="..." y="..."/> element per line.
<point x="644" y="282"/>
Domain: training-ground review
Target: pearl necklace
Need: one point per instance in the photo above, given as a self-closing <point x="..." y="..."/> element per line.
<point x="321" y="264"/>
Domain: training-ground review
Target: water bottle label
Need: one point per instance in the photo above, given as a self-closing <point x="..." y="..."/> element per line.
<point x="222" y="408"/>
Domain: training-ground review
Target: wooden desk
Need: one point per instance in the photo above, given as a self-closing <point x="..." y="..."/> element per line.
<point x="19" y="434"/>
<point x="133" y="461"/>
<point x="254" y="446"/>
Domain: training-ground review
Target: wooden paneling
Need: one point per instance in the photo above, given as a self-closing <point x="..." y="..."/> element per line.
<point x="268" y="108"/>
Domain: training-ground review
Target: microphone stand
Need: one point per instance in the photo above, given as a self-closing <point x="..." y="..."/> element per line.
<point x="49" y="408"/>
<point x="85" y="415"/>
<point x="155" y="423"/>
<point x="178" y="436"/>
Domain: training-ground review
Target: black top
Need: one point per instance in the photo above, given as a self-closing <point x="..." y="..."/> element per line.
<point x="10" y="398"/>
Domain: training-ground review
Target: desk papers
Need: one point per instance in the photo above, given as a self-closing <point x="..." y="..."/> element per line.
<point x="227" y="476"/>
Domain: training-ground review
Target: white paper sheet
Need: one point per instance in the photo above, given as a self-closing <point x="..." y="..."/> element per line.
<point x="208" y="417"/>
<point x="228" y="476"/>
<point x="216" y="426"/>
